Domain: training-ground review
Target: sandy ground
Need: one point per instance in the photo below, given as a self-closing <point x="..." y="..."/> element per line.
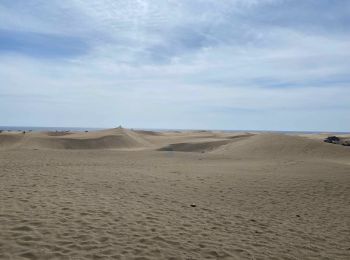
<point x="122" y="194"/>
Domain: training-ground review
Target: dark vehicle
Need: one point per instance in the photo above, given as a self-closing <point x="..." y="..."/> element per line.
<point x="332" y="139"/>
<point x="346" y="143"/>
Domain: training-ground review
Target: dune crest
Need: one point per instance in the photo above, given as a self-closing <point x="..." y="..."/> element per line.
<point x="268" y="145"/>
<point x="238" y="145"/>
<point x="117" y="138"/>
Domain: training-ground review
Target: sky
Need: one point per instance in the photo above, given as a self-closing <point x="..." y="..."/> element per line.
<point x="176" y="64"/>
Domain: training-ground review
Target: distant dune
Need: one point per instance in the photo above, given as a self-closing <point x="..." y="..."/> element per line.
<point x="117" y="138"/>
<point x="245" y="145"/>
<point x="284" y="146"/>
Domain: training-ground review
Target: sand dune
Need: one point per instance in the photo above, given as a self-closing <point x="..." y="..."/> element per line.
<point x="267" y="146"/>
<point x="128" y="194"/>
<point x="8" y="140"/>
<point x="244" y="145"/>
<point x="107" y="139"/>
<point x="239" y="145"/>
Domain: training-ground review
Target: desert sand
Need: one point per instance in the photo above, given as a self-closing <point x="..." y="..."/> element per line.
<point x="125" y="194"/>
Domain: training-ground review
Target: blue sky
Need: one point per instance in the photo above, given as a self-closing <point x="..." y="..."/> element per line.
<point x="200" y="64"/>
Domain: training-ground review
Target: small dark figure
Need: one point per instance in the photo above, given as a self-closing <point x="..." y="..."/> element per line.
<point x="23" y="132"/>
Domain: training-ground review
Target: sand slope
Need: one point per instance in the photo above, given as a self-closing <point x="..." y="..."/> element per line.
<point x="117" y="138"/>
<point x="261" y="196"/>
<point x="267" y="146"/>
<point x="195" y="146"/>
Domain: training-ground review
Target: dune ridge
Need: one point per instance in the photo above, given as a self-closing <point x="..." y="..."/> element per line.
<point x="243" y="145"/>
<point x="117" y="138"/>
<point x="267" y="145"/>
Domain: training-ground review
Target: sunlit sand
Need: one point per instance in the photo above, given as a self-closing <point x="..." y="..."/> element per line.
<point x="124" y="194"/>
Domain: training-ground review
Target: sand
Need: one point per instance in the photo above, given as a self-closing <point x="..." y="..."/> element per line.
<point x="123" y="194"/>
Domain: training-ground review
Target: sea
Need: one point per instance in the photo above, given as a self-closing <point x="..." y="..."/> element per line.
<point x="47" y="129"/>
<point x="82" y="129"/>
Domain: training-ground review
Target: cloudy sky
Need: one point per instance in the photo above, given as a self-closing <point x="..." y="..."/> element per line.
<point x="199" y="64"/>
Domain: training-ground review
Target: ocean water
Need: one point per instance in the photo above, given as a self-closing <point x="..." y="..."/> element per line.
<point x="46" y="129"/>
<point x="81" y="129"/>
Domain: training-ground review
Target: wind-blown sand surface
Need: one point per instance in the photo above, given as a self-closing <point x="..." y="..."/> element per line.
<point x="123" y="194"/>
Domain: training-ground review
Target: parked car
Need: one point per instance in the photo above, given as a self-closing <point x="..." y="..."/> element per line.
<point x="346" y="143"/>
<point x="332" y="139"/>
